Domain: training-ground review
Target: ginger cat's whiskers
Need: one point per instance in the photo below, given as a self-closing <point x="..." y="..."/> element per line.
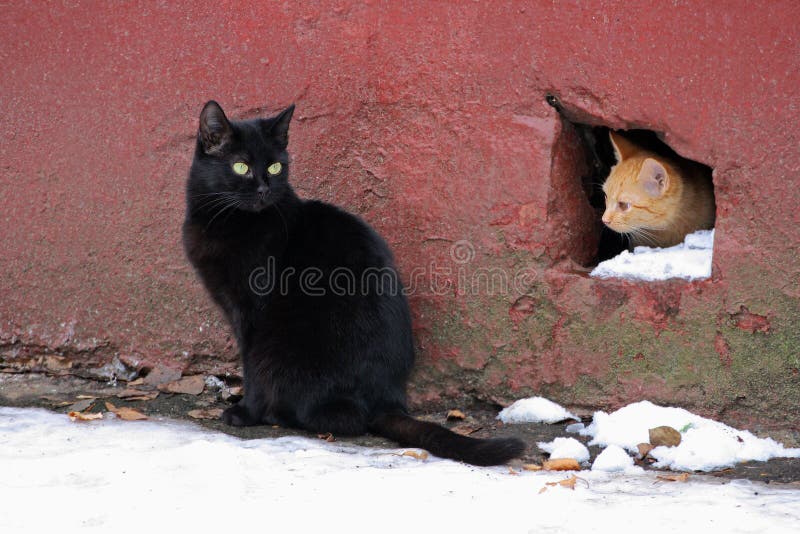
<point x="654" y="199"/>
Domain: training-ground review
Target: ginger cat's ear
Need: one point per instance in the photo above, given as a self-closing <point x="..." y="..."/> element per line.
<point x="653" y="177"/>
<point x="623" y="149"/>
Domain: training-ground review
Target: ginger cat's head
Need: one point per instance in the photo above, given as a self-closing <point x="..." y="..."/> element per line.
<point x="642" y="192"/>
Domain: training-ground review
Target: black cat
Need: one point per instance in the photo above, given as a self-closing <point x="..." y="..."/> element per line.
<point x="312" y="295"/>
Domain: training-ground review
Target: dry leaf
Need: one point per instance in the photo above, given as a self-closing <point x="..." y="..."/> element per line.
<point x="644" y="449"/>
<point x="161" y="375"/>
<point x="126" y="414"/>
<point x="566" y="483"/>
<point x="561" y="464"/>
<point x="327" y="436"/>
<point x="136" y="395"/>
<point x="419" y="455"/>
<point x="683" y="477"/>
<point x="465" y="429"/>
<point x="664" y="436"/>
<point x="189" y="385"/>
<point x="532" y="467"/>
<point x="83" y="397"/>
<point x="81" y="405"/>
<point x="569" y="482"/>
<point x="455" y="415"/>
<point x="207" y="413"/>
<point x="512" y="471"/>
<point x="137" y="382"/>
<point x="80" y="416"/>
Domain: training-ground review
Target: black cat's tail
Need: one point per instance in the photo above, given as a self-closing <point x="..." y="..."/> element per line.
<point x="440" y="441"/>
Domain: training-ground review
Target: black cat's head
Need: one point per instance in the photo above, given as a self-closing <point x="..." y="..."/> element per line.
<point x="239" y="165"/>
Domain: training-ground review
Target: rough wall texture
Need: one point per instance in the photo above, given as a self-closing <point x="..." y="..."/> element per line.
<point x="428" y="119"/>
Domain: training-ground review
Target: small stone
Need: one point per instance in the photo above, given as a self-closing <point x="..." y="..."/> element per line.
<point x="665" y="436"/>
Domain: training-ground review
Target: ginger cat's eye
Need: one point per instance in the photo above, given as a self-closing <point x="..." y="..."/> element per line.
<point x="240" y="168"/>
<point x="624" y="206"/>
<point x="275" y="168"/>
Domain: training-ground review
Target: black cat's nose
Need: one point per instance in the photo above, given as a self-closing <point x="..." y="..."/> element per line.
<point x="262" y="191"/>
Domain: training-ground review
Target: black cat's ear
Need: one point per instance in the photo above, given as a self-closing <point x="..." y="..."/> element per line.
<point x="278" y="126"/>
<point x="215" y="130"/>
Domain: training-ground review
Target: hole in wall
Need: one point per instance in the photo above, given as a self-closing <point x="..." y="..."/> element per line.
<point x="599" y="154"/>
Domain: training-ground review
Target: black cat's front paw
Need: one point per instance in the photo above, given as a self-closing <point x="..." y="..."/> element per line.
<point x="238" y="415"/>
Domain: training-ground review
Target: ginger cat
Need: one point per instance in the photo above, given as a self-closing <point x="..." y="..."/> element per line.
<point x="655" y="200"/>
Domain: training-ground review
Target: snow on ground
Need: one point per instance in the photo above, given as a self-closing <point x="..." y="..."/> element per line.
<point x="161" y="476"/>
<point x="706" y="445"/>
<point x="690" y="260"/>
<point x="614" y="459"/>
<point x="566" y="448"/>
<point x="535" y="410"/>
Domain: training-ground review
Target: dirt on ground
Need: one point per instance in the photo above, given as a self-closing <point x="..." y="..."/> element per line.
<point x="201" y="400"/>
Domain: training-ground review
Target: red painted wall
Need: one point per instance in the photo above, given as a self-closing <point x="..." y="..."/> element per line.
<point x="429" y="119"/>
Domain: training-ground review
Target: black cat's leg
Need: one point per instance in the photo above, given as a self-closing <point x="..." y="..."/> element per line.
<point x="342" y="417"/>
<point x="239" y="415"/>
<point x="252" y="409"/>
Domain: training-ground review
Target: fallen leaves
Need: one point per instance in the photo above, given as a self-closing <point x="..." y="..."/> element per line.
<point x="566" y="483"/>
<point x="81" y="406"/>
<point x="161" y="375"/>
<point x="125" y="413"/>
<point x="81" y="416"/>
<point x="188" y="385"/>
<point x="465" y="429"/>
<point x="644" y="449"/>
<point x="206" y="413"/>
<point x="682" y="477"/>
<point x="419" y="455"/>
<point x="455" y="415"/>
<point x="531" y="467"/>
<point x="136" y="395"/>
<point x="327" y="436"/>
<point x="561" y="464"/>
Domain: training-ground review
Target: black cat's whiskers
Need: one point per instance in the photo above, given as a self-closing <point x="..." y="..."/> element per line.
<point x="229" y="204"/>
<point x="283" y="220"/>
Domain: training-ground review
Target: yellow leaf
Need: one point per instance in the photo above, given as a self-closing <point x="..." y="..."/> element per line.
<point x="532" y="467"/>
<point x="683" y="477"/>
<point x="569" y="482"/>
<point x="453" y="415"/>
<point x="561" y="464"/>
<point x="80" y="416"/>
<point x="419" y="455"/>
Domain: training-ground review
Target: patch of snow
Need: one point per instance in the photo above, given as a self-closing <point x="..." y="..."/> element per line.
<point x="690" y="260"/>
<point x="535" y="410"/>
<point x="566" y="448"/>
<point x="161" y="476"/>
<point x="574" y="427"/>
<point x="614" y="459"/>
<point x="706" y="445"/>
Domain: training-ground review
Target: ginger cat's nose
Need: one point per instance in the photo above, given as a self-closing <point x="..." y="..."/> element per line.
<point x="606" y="218"/>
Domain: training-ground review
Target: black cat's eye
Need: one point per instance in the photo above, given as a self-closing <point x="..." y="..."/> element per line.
<point x="624" y="206"/>
<point x="240" y="168"/>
